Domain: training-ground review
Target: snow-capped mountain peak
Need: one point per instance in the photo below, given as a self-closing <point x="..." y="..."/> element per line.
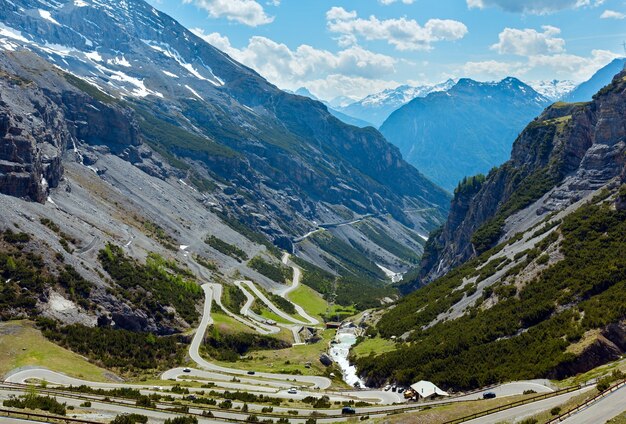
<point x="554" y="89"/>
<point x="377" y="107"/>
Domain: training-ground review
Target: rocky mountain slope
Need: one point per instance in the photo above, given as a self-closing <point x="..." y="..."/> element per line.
<point x="584" y="91"/>
<point x="377" y="107"/>
<point x="350" y="120"/>
<point x="527" y="277"/>
<point x="562" y="155"/>
<point x="123" y="79"/>
<point x="464" y="131"/>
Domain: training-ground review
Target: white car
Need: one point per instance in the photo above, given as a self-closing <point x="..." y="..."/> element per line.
<point x="387" y="388"/>
<point x="292" y="391"/>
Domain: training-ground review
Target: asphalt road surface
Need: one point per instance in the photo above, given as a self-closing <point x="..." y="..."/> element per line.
<point x="603" y="410"/>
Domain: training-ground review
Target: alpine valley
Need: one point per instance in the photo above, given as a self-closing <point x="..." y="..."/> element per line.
<point x="181" y="241"/>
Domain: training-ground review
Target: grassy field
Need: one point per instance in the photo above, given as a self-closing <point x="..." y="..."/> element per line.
<point x="594" y="373"/>
<point x="226" y="324"/>
<point x="288" y="360"/>
<point x="21" y="344"/>
<point x="310" y="300"/>
<point x="267" y="314"/>
<point x="339" y="313"/>
<point x="376" y="345"/>
<point x="620" y="419"/>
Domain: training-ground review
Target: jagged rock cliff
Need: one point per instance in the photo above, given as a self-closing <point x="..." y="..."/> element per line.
<point x="33" y="136"/>
<point x="570" y="150"/>
<point x="42" y="115"/>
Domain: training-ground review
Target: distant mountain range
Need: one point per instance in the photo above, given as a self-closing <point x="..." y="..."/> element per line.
<point x="464" y="131"/>
<point x="375" y="108"/>
<point x="585" y="91"/>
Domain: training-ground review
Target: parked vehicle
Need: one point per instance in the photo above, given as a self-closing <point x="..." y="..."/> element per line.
<point x="292" y="391"/>
<point x="489" y="395"/>
<point x="394" y="388"/>
<point x="346" y="410"/>
<point x="387" y="388"/>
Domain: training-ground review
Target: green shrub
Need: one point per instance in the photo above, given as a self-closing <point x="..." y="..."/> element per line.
<point x="130" y="419"/>
<point x="114" y="348"/>
<point x="225" y="248"/>
<point x="152" y="286"/>
<point x="182" y="420"/>
<point x="278" y="273"/>
<point x="33" y="401"/>
<point x="229" y="347"/>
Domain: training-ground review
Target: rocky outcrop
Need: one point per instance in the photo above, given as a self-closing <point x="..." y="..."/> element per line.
<point x="33" y="136"/>
<point x="608" y="346"/>
<point x="43" y="114"/>
<point x="569" y="151"/>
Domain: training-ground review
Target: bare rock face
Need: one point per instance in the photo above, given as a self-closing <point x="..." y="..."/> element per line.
<point x="42" y="114"/>
<point x="33" y="136"/>
<point x="569" y="151"/>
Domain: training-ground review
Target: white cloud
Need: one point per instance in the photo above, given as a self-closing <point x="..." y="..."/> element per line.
<point x="387" y="2"/>
<point x="402" y="33"/>
<point x="493" y="69"/>
<point x="537" y="7"/>
<point x="612" y="14"/>
<point x="247" y="12"/>
<point x="571" y="66"/>
<point x="335" y="85"/>
<point x="528" y="42"/>
<point x="291" y="69"/>
<point x="559" y="66"/>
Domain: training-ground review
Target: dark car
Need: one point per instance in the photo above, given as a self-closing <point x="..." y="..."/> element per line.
<point x="251" y="373"/>
<point x="186" y="370"/>
<point x="346" y="410"/>
<point x="489" y="395"/>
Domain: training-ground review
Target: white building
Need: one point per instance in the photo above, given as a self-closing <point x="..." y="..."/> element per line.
<point x="426" y="389"/>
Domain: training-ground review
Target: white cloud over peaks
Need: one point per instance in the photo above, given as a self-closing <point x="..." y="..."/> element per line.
<point x="529" y="42"/>
<point x="291" y="69"/>
<point x="537" y="7"/>
<point x="571" y="66"/>
<point x="248" y="12"/>
<point x="561" y="66"/>
<point x="493" y="69"/>
<point x="612" y="14"/>
<point x="402" y="33"/>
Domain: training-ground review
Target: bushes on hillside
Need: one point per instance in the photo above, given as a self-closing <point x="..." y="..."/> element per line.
<point x="116" y="348"/>
<point x="229" y="347"/>
<point x="33" y="401"/>
<point x="523" y="336"/>
<point x="225" y="248"/>
<point x="278" y="273"/>
<point x="152" y="286"/>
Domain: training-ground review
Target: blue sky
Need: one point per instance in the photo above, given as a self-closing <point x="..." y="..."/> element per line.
<point x="357" y="47"/>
